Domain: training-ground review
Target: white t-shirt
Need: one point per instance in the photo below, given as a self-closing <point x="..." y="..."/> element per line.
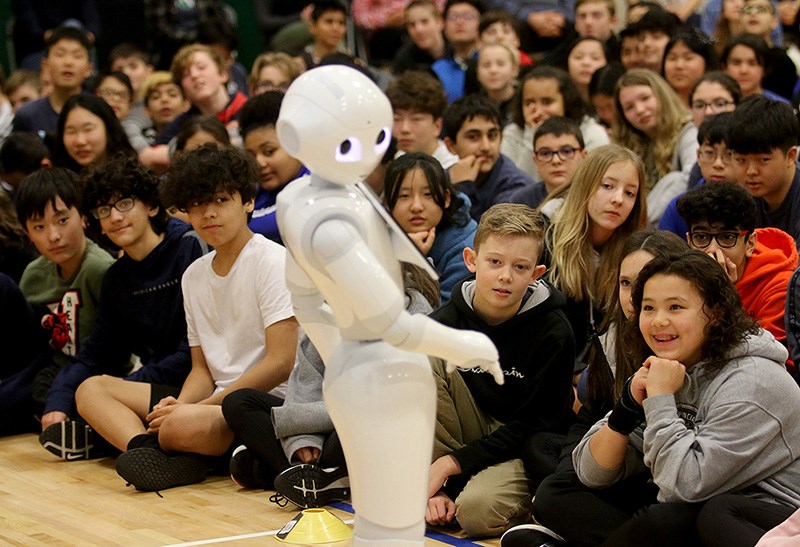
<point x="226" y="316"/>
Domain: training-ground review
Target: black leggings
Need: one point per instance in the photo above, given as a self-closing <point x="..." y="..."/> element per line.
<point x="249" y="414"/>
<point x="733" y="520"/>
<point x="624" y="514"/>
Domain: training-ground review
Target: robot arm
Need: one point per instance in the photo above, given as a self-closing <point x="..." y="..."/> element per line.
<point x="377" y="303"/>
<point x="459" y="348"/>
<point x="310" y="309"/>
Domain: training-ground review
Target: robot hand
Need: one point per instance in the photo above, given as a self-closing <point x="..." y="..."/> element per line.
<point x="483" y="355"/>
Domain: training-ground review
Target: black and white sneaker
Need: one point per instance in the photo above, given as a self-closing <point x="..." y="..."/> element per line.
<point x="151" y="470"/>
<point x="246" y="471"/>
<point x="530" y="535"/>
<point x="69" y="440"/>
<point x="308" y="485"/>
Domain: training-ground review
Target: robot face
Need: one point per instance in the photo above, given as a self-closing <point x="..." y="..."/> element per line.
<point x="337" y="122"/>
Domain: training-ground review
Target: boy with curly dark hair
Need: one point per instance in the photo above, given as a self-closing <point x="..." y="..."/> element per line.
<point x="241" y="329"/>
<point x="140" y="311"/>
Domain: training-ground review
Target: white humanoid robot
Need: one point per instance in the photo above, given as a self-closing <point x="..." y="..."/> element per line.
<point x="347" y="291"/>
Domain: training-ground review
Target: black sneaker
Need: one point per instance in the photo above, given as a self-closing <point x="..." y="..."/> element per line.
<point x="246" y="471"/>
<point x="530" y="535"/>
<point x="309" y="486"/>
<point x="70" y="440"/>
<point x="150" y="469"/>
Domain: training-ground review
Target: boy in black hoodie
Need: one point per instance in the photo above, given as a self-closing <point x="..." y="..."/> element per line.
<point x="477" y="476"/>
<point x="141" y="306"/>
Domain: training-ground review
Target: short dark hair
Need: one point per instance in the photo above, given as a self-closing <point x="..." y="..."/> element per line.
<point x="73" y="34"/>
<point x="726" y="203"/>
<point x="604" y="80"/>
<point x="466" y="108"/>
<point x="122" y="177"/>
<point x="655" y="20"/>
<point x="496" y="16"/>
<point x="260" y="111"/>
<point x="574" y="107"/>
<point x="557" y="126"/>
<point x="116" y="138"/>
<point x="477" y="4"/>
<point x="22" y="151"/>
<point x="195" y="124"/>
<point x="417" y="90"/>
<point x="201" y="173"/>
<point x="118" y="75"/>
<point x="719" y="77"/>
<point x="714" y="129"/>
<point x="760" y="125"/>
<point x="755" y="43"/>
<point x="43" y="187"/>
<point x="125" y="50"/>
<point x="438" y="182"/>
<point x="698" y="42"/>
<point x="324" y="6"/>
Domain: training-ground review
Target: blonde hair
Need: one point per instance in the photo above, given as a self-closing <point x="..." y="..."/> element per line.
<point x="569" y="236"/>
<point x="672" y="115"/>
<point x="279" y="60"/>
<point x="152" y="82"/>
<point x="183" y="58"/>
<point x="510" y="219"/>
<point x="511" y="52"/>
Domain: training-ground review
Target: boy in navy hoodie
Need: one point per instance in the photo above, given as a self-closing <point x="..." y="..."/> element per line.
<point x="473" y="131"/>
<point x="477" y="476"/>
<point x="141" y="306"/>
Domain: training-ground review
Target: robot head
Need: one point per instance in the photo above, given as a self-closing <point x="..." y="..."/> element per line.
<point x="337" y="122"/>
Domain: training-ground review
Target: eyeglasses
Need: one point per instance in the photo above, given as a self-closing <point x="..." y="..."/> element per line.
<point x="265" y="86"/>
<point x="726" y="239"/>
<point x="453" y="17"/>
<point x="716" y="105"/>
<point x="747" y="10"/>
<point x="114" y="95"/>
<point x="711" y="155"/>
<point x="122" y="205"/>
<point x="564" y="153"/>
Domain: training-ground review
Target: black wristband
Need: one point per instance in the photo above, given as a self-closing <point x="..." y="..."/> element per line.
<point x="627" y="413"/>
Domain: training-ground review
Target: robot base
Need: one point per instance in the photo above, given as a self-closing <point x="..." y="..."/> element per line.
<point x="382" y="401"/>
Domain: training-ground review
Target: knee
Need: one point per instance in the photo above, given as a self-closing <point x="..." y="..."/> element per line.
<point x="173" y="430"/>
<point x="90" y="390"/>
<point x="483" y="515"/>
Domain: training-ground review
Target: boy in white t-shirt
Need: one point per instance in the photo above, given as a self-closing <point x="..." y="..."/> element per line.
<point x="241" y="329"/>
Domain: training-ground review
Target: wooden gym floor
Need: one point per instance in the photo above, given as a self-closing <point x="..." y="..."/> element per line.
<point x="46" y="501"/>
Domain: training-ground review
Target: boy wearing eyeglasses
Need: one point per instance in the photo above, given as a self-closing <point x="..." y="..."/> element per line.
<point x="760" y="17"/>
<point x="141" y="305"/>
<point x="558" y="149"/>
<point x="759" y="262"/>
<point x="714" y="162"/>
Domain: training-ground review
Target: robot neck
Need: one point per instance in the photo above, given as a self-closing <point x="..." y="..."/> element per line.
<point x="319" y="182"/>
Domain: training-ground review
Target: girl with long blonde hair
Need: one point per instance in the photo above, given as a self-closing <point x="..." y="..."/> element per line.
<point x="604" y="205"/>
<point x="652" y="121"/>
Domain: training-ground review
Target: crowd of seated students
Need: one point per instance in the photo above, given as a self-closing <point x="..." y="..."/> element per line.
<point x="628" y="180"/>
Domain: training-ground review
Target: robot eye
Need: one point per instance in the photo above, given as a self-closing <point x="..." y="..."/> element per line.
<point x="349" y="151"/>
<point x="382" y="141"/>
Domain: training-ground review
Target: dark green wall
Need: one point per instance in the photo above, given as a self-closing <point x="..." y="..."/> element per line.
<point x="5" y="14"/>
<point x="251" y="41"/>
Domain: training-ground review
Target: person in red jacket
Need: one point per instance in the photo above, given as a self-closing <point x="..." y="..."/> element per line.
<point x="759" y="261"/>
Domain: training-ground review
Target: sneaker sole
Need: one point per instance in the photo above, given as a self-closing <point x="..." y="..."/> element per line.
<point x="70" y="440"/>
<point x="310" y="486"/>
<point x="151" y="470"/>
